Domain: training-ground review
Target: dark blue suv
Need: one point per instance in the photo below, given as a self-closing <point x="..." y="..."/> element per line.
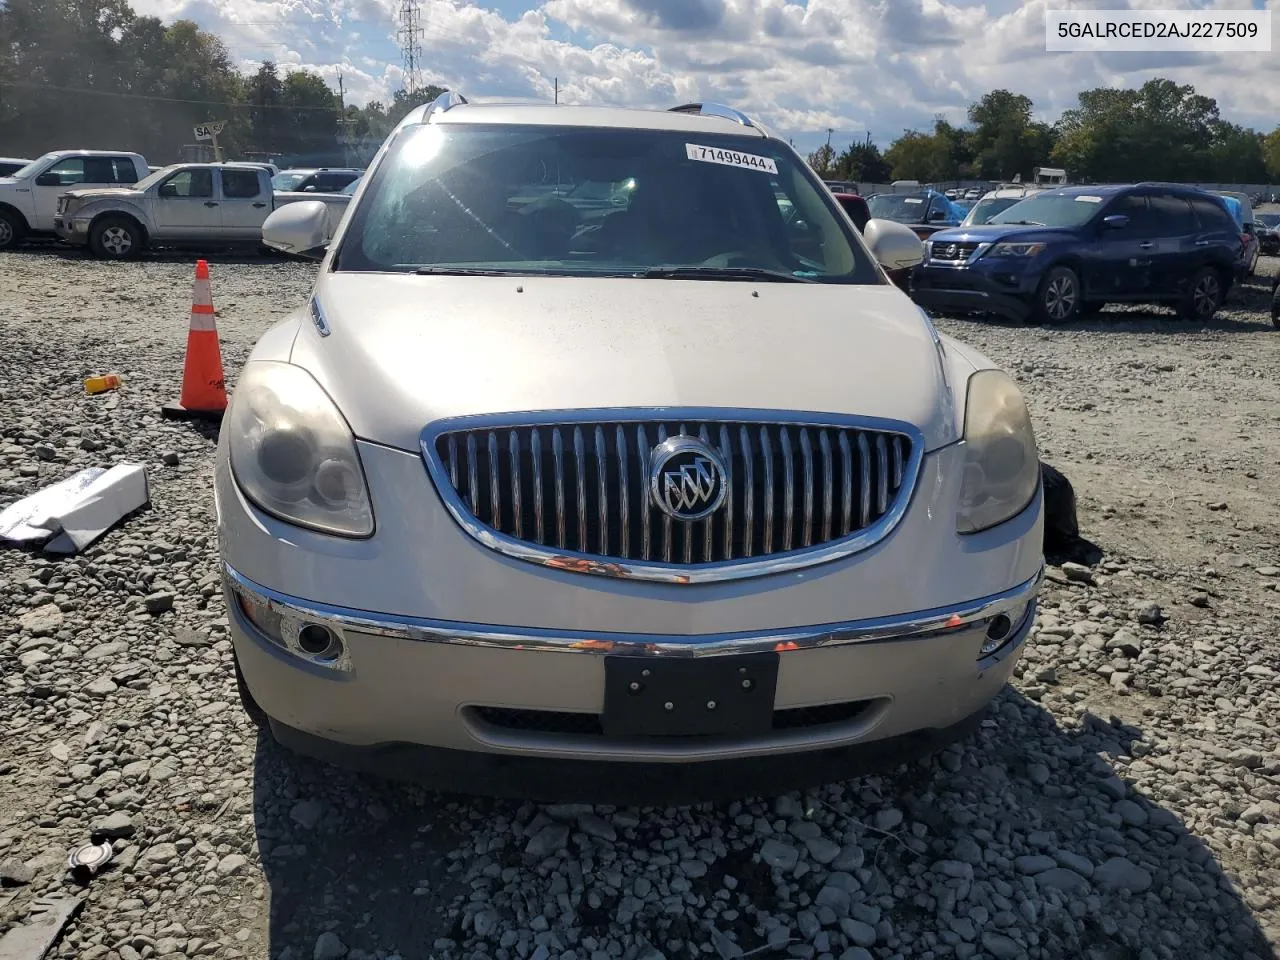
<point x="1060" y="252"/>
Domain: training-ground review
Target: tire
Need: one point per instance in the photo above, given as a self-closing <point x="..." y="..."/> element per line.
<point x="1203" y="297"/>
<point x="115" y="238"/>
<point x="257" y="716"/>
<point x="1061" y="525"/>
<point x="12" y="229"/>
<point x="1058" y="298"/>
<point x="1275" y="307"/>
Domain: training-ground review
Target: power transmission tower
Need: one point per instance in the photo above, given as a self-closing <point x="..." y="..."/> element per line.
<point x="410" y="37"/>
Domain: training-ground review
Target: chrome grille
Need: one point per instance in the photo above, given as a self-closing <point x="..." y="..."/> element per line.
<point x="583" y="487"/>
<point x="943" y="250"/>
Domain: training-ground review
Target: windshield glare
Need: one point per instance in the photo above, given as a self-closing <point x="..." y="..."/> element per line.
<point x="154" y="178"/>
<point x="903" y="208"/>
<point x="588" y="201"/>
<point x="31" y="168"/>
<point x="284" y="182"/>
<point x="984" y="210"/>
<point x="1051" y="210"/>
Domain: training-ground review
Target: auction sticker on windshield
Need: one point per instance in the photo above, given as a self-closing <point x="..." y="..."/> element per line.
<point x="730" y="158"/>
<point x="1088" y="198"/>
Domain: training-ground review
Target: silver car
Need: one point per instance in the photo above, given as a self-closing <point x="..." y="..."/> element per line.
<point x="532" y="497"/>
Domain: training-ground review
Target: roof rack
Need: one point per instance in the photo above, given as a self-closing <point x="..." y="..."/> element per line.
<point x="714" y="110"/>
<point x="423" y="112"/>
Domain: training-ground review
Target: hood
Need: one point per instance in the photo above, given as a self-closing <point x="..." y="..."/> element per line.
<point x="407" y="350"/>
<point x="98" y="192"/>
<point x="991" y="232"/>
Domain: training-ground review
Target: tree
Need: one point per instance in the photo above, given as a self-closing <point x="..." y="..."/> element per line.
<point x="823" y="161"/>
<point x="863" y="163"/>
<point x="1005" y="141"/>
<point x="927" y="157"/>
<point x="1271" y="154"/>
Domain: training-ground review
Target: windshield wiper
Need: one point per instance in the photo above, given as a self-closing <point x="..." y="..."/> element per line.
<point x="1022" y="223"/>
<point x="721" y="273"/>
<point x="471" y="272"/>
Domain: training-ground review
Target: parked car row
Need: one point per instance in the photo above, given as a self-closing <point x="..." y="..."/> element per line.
<point x="1058" y="253"/>
<point x="116" y="205"/>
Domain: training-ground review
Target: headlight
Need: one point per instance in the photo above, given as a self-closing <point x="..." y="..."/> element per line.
<point x="292" y="452"/>
<point x="1002" y="464"/>
<point x="1015" y="249"/>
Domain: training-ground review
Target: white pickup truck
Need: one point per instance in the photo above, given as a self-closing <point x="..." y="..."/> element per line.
<point x="183" y="205"/>
<point x="29" y="197"/>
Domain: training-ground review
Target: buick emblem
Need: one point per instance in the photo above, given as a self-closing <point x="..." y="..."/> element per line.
<point x="688" y="480"/>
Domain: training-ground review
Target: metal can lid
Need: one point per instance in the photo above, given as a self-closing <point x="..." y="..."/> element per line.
<point x="91" y="856"/>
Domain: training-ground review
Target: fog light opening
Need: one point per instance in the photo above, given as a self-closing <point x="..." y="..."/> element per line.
<point x="999" y="629"/>
<point x="319" y="642"/>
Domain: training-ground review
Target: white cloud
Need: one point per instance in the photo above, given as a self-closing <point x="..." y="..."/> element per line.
<point x="852" y="65"/>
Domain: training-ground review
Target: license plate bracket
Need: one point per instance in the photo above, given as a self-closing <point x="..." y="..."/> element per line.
<point x="707" y="696"/>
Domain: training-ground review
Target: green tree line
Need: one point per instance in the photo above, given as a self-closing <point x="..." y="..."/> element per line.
<point x="92" y="73"/>
<point x="1160" y="131"/>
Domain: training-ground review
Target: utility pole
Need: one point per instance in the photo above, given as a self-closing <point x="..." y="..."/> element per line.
<point x="557" y="90"/>
<point x="829" y="132"/>
<point x="344" y="123"/>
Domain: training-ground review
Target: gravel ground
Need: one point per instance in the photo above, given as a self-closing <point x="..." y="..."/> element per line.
<point x="1122" y="800"/>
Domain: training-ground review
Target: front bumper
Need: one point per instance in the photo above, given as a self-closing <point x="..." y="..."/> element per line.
<point x="71" y="230"/>
<point x="961" y="288"/>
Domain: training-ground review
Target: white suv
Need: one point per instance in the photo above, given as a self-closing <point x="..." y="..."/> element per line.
<point x="530" y="488"/>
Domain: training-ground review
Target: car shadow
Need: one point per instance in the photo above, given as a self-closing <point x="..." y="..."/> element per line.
<point x="1074" y="859"/>
<point x="224" y="255"/>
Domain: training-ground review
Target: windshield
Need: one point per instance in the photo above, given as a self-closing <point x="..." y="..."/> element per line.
<point x="154" y="178"/>
<point x="33" y="167"/>
<point x="905" y="208"/>
<point x="284" y="182"/>
<point x="984" y="210"/>
<point x="585" y="201"/>
<point x="1051" y="210"/>
<point x="1270" y="219"/>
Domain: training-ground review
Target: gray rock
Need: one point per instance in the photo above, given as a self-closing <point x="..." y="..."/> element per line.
<point x="822" y="849"/>
<point x="838" y="900"/>
<point x="101" y="687"/>
<point x="14" y="873"/>
<point x="1077" y="573"/>
<point x="1125" y="641"/>
<point x="856" y="953"/>
<point x="169" y="458"/>
<point x="158" y="602"/>
<point x="862" y="934"/>
<point x="1113" y="787"/>
<point x="550" y="839"/>
<point x="1063" y="879"/>
<point x="778" y="854"/>
<point x="161" y="853"/>
<point x="1038" y="774"/>
<point x="888" y="818"/>
<point x="1073" y="861"/>
<point x="1150" y="614"/>
<point x="42" y="621"/>
<point x="329" y="947"/>
<point x="1119" y="873"/>
<point x="231" y="864"/>
<point x="114" y="826"/>
<point x="1131" y="813"/>
<point x="598" y="827"/>
<point x="1000" y="946"/>
<point x="1033" y="864"/>
<point x="306" y="813"/>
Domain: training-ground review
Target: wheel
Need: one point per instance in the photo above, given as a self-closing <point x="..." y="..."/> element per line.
<point x="1203" y="297"/>
<point x="1058" y="299"/>
<point x="1275" y="306"/>
<point x="254" y="712"/>
<point x="115" y="238"/>
<point x="12" y="229"/>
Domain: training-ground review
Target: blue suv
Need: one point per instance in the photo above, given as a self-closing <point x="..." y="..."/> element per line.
<point x="1060" y="252"/>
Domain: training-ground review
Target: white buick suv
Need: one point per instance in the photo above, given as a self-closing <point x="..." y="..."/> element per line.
<point x="605" y="453"/>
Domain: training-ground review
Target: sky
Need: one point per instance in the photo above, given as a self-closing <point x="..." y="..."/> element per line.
<point x="801" y="66"/>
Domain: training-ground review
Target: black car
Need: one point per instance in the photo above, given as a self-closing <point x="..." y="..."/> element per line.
<point x="1268" y="227"/>
<point x="1069" y="250"/>
<point x="925" y="211"/>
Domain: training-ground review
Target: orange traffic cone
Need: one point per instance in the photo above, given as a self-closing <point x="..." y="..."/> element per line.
<point x="204" y="393"/>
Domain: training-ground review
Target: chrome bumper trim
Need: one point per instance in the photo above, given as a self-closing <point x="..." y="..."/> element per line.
<point x="941" y="620"/>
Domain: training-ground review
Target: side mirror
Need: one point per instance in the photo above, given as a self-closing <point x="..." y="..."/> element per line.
<point x="300" y="229"/>
<point x="1117" y="221"/>
<point x="49" y="180"/>
<point x="893" y="244"/>
<point x="937" y="215"/>
<point x="168" y="190"/>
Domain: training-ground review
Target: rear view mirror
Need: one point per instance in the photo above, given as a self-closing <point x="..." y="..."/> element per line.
<point x="300" y="229"/>
<point x="1116" y="221"/>
<point x="894" y="245"/>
